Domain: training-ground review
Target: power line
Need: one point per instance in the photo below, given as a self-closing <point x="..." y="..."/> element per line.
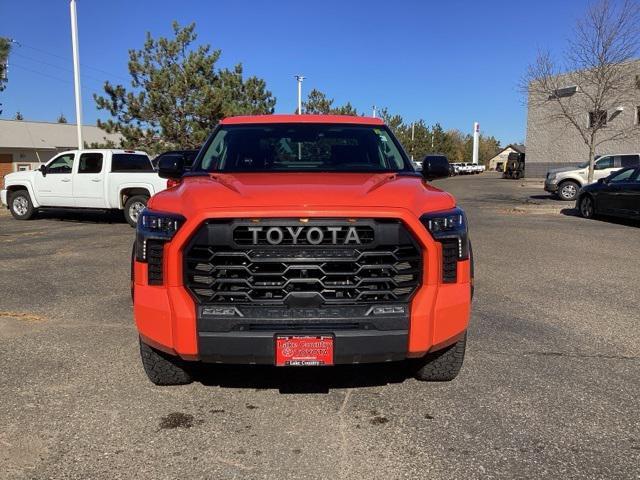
<point x="22" y="67"/>
<point x="67" y="59"/>
<point x="55" y="66"/>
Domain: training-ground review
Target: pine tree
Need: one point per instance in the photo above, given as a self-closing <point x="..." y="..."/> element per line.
<point x="177" y="94"/>
<point x="318" y="103"/>
<point x="5" y="49"/>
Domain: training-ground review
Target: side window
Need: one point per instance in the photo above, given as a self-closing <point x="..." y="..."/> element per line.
<point x="63" y="164"/>
<point x="604" y="162"/>
<point x="623" y="176"/>
<point x="90" y="163"/>
<point x="630" y="161"/>
<point x="130" y="162"/>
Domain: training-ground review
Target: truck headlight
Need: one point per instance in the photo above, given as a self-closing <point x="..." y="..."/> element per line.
<point x="155" y="226"/>
<point x="449" y="225"/>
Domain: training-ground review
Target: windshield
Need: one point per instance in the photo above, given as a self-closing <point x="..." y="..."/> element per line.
<point x="303" y="148"/>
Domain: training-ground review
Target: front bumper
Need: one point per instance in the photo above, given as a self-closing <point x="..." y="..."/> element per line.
<point x="350" y="346"/>
<point x="3" y="198"/>
<point x="249" y="336"/>
<point x="550" y="187"/>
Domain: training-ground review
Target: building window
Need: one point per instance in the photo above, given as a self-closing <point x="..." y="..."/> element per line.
<point x="564" y="92"/>
<point x="597" y="119"/>
<point x="638" y="115"/>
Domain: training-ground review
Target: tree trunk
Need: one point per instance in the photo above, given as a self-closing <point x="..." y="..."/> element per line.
<point x="592" y="160"/>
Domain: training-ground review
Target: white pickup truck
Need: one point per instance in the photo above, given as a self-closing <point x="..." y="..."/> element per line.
<point x="93" y="179"/>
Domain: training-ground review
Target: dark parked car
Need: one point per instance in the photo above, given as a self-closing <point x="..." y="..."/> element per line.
<point x="188" y="155"/>
<point x="616" y="195"/>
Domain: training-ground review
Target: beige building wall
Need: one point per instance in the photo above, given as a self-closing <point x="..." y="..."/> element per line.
<point x="32" y="158"/>
<point x="500" y="158"/>
<point x="552" y="143"/>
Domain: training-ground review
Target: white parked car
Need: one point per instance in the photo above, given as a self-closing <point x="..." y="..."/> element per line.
<point x="457" y="168"/>
<point x="467" y="168"/>
<point x="92" y="179"/>
<point x="565" y="182"/>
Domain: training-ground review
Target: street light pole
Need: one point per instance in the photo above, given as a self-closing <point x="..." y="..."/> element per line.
<point x="76" y="69"/>
<point x="300" y="78"/>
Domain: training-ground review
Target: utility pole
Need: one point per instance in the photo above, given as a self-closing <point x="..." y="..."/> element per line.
<point x="476" y="142"/>
<point x="299" y="78"/>
<point x="76" y="69"/>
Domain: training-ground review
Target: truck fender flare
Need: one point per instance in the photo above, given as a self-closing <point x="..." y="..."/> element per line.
<point x="29" y="188"/>
<point x="575" y="178"/>
<point x="134" y="185"/>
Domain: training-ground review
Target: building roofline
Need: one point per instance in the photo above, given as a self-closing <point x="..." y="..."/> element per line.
<point x="45" y="122"/>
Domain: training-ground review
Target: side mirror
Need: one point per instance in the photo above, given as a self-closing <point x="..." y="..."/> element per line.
<point x="602" y="180"/>
<point x="171" y="166"/>
<point x="435" y="167"/>
<point x="43" y="170"/>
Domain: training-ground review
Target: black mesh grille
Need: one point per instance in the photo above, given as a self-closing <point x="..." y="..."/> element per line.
<point x="219" y="271"/>
<point x="449" y="260"/>
<point x="155" y="253"/>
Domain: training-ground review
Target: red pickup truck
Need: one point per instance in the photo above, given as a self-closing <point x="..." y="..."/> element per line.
<point x="302" y="240"/>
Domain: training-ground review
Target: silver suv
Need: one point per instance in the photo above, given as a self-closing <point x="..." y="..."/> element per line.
<point x="565" y="182"/>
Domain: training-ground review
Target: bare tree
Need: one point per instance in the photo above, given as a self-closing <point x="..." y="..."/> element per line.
<point x="596" y="78"/>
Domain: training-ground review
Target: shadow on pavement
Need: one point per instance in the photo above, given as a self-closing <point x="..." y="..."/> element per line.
<point x="292" y="380"/>
<point x="573" y="212"/>
<point x="80" y="216"/>
<point x="545" y="196"/>
<point x="570" y="212"/>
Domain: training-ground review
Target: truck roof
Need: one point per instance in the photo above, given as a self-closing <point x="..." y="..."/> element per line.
<point x="112" y="150"/>
<point x="342" y="119"/>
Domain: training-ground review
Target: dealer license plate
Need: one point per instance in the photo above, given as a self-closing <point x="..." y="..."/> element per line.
<point x="304" y="351"/>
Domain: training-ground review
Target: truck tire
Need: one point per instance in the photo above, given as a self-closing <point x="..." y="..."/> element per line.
<point x="568" y="190"/>
<point x="163" y="369"/>
<point x="443" y="365"/>
<point x="20" y="205"/>
<point x="133" y="207"/>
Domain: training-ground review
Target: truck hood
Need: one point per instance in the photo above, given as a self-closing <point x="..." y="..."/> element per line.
<point x="564" y="169"/>
<point x="18" y="176"/>
<point x="306" y="190"/>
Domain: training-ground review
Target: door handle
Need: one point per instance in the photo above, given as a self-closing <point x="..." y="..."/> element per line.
<point x="65" y="180"/>
<point x="96" y="179"/>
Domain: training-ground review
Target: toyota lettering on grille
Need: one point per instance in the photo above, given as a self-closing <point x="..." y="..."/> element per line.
<point x="308" y="235"/>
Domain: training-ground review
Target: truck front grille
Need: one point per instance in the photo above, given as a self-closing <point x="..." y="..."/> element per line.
<point x="223" y="266"/>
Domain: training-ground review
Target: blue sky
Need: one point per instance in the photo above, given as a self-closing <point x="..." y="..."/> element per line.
<point x="451" y="62"/>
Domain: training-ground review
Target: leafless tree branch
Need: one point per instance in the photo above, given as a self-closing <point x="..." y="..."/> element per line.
<point x="597" y="64"/>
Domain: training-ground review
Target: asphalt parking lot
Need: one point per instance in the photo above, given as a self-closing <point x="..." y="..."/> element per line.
<point x="549" y="388"/>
